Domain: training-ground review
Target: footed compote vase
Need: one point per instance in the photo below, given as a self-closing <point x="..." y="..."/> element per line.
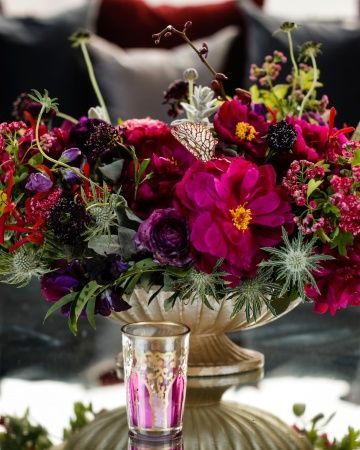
<point x="211" y="351"/>
<point x="209" y="424"/>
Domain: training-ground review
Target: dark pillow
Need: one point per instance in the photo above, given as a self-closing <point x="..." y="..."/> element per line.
<point x="131" y="23"/>
<point x="36" y="53"/>
<point x="339" y="62"/>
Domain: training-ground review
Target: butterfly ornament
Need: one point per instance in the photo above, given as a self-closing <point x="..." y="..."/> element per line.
<point x="197" y="138"/>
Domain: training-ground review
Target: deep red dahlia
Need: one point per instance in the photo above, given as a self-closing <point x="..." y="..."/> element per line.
<point x="168" y="162"/>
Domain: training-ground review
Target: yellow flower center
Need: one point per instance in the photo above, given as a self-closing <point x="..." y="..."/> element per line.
<point x="3" y="202"/>
<point x="241" y="217"/>
<point x="245" y="131"/>
<point x="173" y="161"/>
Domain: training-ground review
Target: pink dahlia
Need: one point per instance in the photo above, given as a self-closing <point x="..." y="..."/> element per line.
<point x="168" y="162"/>
<point x="234" y="208"/>
<point x="236" y="123"/>
<point x="339" y="282"/>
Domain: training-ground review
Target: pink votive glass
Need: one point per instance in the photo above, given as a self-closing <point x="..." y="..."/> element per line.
<point x="155" y="366"/>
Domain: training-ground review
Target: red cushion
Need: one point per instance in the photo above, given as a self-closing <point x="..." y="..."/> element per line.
<point x="131" y="23"/>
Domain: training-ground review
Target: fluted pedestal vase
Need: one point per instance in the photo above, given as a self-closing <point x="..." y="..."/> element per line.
<point x="211" y="351"/>
<point x="209" y="424"/>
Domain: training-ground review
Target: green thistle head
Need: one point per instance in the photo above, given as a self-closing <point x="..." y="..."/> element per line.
<point x="293" y="264"/>
<point x="20" y="267"/>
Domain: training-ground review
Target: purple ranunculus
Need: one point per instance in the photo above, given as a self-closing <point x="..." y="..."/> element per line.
<point x="110" y="300"/>
<point x="38" y="182"/>
<point x="166" y="235"/>
<point x="70" y="154"/>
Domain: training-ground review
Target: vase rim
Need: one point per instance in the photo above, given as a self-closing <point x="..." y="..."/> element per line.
<point x="184" y="329"/>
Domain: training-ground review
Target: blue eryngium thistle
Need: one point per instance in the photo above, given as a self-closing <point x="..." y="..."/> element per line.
<point x="293" y="264"/>
<point x="252" y="295"/>
<point x="19" y="267"/>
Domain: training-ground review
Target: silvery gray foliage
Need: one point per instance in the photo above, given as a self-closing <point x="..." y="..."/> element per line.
<point x="203" y="106"/>
<point x="97" y="112"/>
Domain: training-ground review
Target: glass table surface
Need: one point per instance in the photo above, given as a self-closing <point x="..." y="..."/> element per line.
<point x="309" y="359"/>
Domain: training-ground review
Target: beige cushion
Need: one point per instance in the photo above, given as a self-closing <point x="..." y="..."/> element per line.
<point x="133" y="81"/>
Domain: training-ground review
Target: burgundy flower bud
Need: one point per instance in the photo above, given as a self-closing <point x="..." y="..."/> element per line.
<point x="243" y="96"/>
<point x="204" y="50"/>
<point x="167" y="34"/>
<point x="38" y="182"/>
<point x="187" y="25"/>
<point x="221" y="77"/>
<point x="70" y="155"/>
<point x="166" y="235"/>
<point x="215" y="86"/>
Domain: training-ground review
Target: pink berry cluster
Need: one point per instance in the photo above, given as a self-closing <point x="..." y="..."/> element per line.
<point x="270" y="69"/>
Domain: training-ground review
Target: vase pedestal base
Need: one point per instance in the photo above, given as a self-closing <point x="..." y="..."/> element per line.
<point x="221" y="426"/>
<point x="216" y="354"/>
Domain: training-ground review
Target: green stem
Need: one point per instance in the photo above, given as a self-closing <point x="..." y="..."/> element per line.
<point x="67" y="117"/>
<point x="191" y="91"/>
<point x="94" y="81"/>
<point x="293" y="60"/>
<point x="312" y="88"/>
<point x="54" y="161"/>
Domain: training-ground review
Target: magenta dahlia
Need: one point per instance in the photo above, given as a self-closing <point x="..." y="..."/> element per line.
<point x="236" y="123"/>
<point x="338" y="281"/>
<point x="313" y="141"/>
<point x="234" y="208"/>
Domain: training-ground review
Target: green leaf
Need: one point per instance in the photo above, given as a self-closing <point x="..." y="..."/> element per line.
<point x="113" y="170"/>
<point x="72" y="321"/>
<point x="127" y="248"/>
<point x="35" y="160"/>
<point x="85" y="295"/>
<point x="281" y="304"/>
<point x="131" y="284"/>
<point x="90" y="312"/>
<point x="299" y="409"/>
<point x="255" y="94"/>
<point x="146" y="264"/>
<point x="356" y="159"/>
<point x="60" y="303"/>
<point x="154" y="295"/>
<point x="341" y="241"/>
<point x="280" y="90"/>
<point x="170" y="302"/>
<point x="104" y="245"/>
<point x="312" y="185"/>
<point x="143" y="166"/>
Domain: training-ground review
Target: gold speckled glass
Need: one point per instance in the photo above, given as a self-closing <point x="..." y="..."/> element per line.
<point x="155" y="367"/>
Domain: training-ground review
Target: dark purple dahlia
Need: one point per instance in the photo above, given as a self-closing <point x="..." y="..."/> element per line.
<point x="105" y="270"/>
<point x="68" y="220"/>
<point x="110" y="300"/>
<point x="94" y="138"/>
<point x="165" y="234"/>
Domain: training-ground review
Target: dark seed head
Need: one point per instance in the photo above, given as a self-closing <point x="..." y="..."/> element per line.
<point x="281" y="136"/>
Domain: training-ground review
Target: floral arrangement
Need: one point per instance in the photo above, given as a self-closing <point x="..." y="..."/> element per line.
<point x="251" y="198"/>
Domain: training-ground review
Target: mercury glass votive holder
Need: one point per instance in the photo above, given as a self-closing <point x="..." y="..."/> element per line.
<point x="155" y="367"/>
